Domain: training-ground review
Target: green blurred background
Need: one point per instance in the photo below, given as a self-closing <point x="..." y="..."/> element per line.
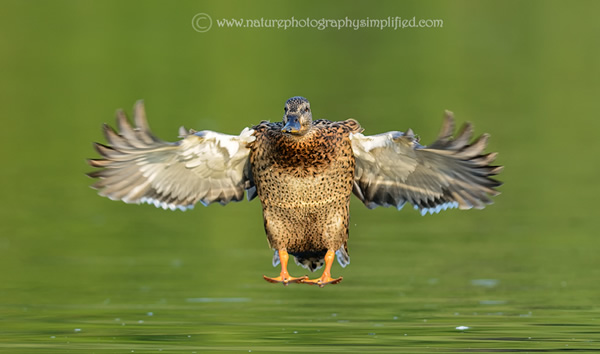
<point x="84" y="274"/>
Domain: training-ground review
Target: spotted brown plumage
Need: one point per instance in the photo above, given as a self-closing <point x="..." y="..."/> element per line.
<point x="303" y="172"/>
<point x="304" y="183"/>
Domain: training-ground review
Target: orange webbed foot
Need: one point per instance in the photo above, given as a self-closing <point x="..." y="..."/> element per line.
<point x="322" y="281"/>
<point x="326" y="277"/>
<point x="285" y="279"/>
<point x="284" y="276"/>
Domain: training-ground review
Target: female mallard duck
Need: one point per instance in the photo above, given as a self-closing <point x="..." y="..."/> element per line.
<point x="303" y="173"/>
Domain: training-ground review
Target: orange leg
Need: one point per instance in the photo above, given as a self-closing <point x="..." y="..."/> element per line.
<point x="284" y="276"/>
<point x="326" y="277"/>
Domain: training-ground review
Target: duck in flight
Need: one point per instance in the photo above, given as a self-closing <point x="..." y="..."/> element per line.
<point x="302" y="171"/>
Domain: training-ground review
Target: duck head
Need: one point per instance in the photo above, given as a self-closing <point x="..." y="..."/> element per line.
<point x="297" y="119"/>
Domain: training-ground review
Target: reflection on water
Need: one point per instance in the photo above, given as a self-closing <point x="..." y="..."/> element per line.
<point x="222" y="299"/>
<point x="487" y="283"/>
<point x="284" y="325"/>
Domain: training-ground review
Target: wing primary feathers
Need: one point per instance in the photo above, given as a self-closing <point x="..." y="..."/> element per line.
<point x="464" y="135"/>
<point x="125" y="129"/>
<point x="446" y="132"/>
<point x="107" y="151"/>
<point x="137" y="167"/>
<point x="391" y="169"/>
<point x="475" y="148"/>
<point x="115" y="139"/>
<point x="142" y="127"/>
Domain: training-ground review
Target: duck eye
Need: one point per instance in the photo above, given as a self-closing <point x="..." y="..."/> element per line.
<point x="285" y="109"/>
<point x="307" y="109"/>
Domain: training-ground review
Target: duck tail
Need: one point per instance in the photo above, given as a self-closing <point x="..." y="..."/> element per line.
<point x="315" y="260"/>
<point x="311" y="263"/>
<point x="310" y="260"/>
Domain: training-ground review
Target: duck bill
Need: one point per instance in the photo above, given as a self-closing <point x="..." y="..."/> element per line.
<point x="292" y="125"/>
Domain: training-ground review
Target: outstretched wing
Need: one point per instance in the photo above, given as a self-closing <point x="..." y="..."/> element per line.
<point x="205" y="167"/>
<point x="393" y="168"/>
